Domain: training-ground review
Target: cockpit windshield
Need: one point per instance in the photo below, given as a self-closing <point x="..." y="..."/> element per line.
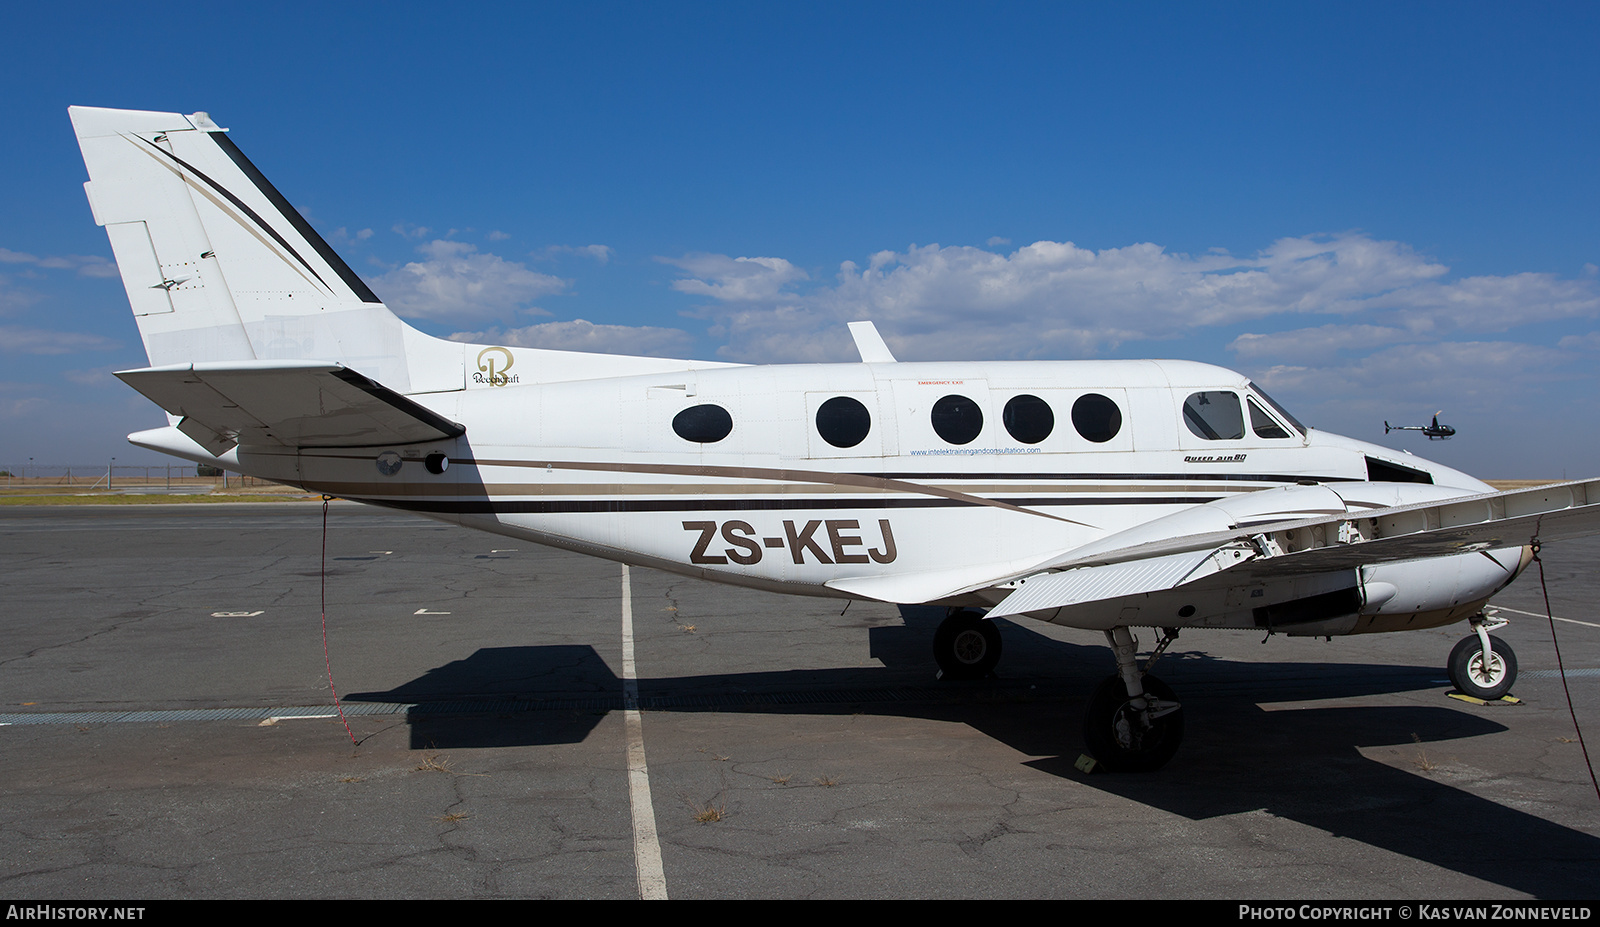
<point x="1282" y="412"/>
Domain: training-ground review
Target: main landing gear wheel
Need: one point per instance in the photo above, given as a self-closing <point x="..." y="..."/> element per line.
<point x="1125" y="738"/>
<point x="1471" y="674"/>
<point x="966" y="646"/>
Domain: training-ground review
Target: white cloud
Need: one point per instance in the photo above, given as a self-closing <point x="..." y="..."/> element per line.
<point x="15" y="339"/>
<point x="600" y="253"/>
<point x="1502" y="395"/>
<point x="736" y="280"/>
<point x="458" y="283"/>
<point x="1471" y="371"/>
<point x="85" y="265"/>
<point x="581" y="335"/>
<point x="1055" y="299"/>
<point x="1312" y="344"/>
<point x="12" y="299"/>
<point x="1487" y="304"/>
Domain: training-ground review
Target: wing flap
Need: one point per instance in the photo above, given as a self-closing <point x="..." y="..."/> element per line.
<point x="286" y="403"/>
<point x="929" y="586"/>
<point x="1110" y="581"/>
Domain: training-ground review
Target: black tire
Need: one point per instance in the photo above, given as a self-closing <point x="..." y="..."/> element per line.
<point x="1116" y="739"/>
<point x="966" y="646"/>
<point x="1469" y="675"/>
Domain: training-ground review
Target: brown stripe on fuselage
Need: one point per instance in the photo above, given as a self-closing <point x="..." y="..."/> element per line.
<point x="814" y="481"/>
<point x="783" y="475"/>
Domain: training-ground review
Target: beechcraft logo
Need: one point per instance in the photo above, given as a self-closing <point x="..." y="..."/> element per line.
<point x="494" y="374"/>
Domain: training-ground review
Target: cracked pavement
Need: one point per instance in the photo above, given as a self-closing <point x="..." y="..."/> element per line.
<point x="837" y="767"/>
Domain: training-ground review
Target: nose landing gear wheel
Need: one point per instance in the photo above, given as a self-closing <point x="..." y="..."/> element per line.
<point x="966" y="646"/>
<point x="1475" y="677"/>
<point x="1121" y="737"/>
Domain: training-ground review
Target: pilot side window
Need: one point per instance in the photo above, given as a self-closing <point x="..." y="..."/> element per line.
<point x="957" y="419"/>
<point x="703" y="424"/>
<point x="1214" y="415"/>
<point x="1263" y="424"/>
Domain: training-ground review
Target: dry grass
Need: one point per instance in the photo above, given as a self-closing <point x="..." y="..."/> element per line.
<point x="434" y="762"/>
<point x="1422" y="762"/>
<point x="711" y="812"/>
<point x="826" y="782"/>
<point x="454" y="816"/>
<point x="782" y="779"/>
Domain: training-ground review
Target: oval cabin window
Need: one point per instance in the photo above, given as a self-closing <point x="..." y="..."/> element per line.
<point x="1028" y="418"/>
<point x="843" y="422"/>
<point x="957" y="419"/>
<point x="1096" y="417"/>
<point x="703" y="424"/>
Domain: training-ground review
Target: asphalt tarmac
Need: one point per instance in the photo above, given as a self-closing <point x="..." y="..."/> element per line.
<point x="168" y="735"/>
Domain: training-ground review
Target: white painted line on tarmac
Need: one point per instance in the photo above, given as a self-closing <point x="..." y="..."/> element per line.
<point x="646" y="846"/>
<point x="276" y="718"/>
<point x="1587" y="624"/>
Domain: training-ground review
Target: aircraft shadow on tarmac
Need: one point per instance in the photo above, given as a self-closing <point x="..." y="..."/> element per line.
<point x="1303" y="765"/>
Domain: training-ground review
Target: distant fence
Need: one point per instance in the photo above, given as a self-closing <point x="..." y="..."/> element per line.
<point x="118" y="475"/>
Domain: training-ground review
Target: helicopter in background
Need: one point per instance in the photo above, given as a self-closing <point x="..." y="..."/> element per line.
<point x="1434" y="431"/>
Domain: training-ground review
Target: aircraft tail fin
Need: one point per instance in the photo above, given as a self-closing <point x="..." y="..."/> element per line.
<point x="219" y="267"/>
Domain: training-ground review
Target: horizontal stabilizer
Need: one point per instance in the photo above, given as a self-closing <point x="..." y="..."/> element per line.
<point x="286" y="403"/>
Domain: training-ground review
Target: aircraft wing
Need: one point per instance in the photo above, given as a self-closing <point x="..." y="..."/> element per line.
<point x="286" y="403"/>
<point x="1313" y="546"/>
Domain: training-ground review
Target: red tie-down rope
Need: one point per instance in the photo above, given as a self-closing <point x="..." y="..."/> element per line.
<point x="325" y="660"/>
<point x="1561" y="667"/>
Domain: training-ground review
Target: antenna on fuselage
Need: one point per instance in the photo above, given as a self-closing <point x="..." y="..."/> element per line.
<point x="870" y="344"/>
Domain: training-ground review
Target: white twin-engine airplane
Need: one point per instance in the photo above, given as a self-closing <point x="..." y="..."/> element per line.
<point x="1093" y="494"/>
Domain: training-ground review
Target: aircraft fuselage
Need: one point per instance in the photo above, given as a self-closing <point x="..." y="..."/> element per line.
<point x="1052" y="456"/>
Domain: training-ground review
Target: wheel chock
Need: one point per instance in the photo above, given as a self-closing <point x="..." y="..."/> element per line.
<point x="1507" y="699"/>
<point x="1086" y="763"/>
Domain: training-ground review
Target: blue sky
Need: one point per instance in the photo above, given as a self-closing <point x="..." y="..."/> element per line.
<point x="1375" y="210"/>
